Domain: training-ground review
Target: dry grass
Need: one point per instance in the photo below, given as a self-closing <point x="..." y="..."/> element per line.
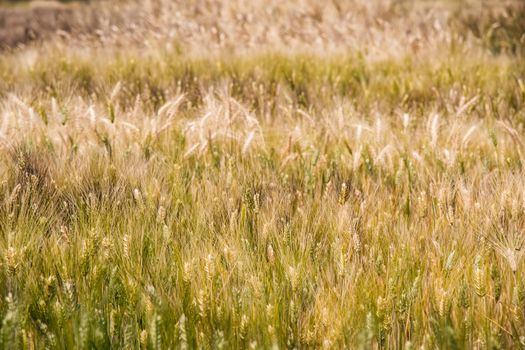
<point x="256" y="175"/>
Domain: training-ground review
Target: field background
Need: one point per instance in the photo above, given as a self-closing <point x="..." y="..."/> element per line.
<point x="262" y="174"/>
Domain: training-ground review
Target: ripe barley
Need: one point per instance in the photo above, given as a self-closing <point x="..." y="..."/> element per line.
<point x="479" y="281"/>
<point x="516" y="310"/>
<point x="434" y="129"/>
<point x="243" y="326"/>
<point x="443" y="303"/>
<point x="143" y="338"/>
<point x="256" y="203"/>
<point x="209" y="267"/>
<point x="111" y="323"/>
<point x="187" y="273"/>
<point x="138" y="197"/>
<point x="270" y="255"/>
<point x="463" y="298"/>
<point x="107" y="248"/>
<point x="11" y="261"/>
<point x="181" y="327"/>
<point x="92" y="200"/>
<point x="126" y="243"/>
<point x="343" y="193"/>
<point x="202" y="303"/>
<point x="14" y="195"/>
<point x="356" y="238"/>
<point x="383" y="314"/>
<point x="83" y="330"/>
<point x="166" y="233"/>
<point x="161" y="214"/>
<point x="155" y="332"/>
<point x="128" y="341"/>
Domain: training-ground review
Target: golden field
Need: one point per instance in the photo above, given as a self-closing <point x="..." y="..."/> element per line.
<point x="264" y="174"/>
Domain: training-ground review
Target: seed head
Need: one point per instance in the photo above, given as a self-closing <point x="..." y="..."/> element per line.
<point x="11" y="260"/>
<point x="138" y="197"/>
<point x="479" y="282"/>
<point x="270" y="255"/>
<point x="161" y="214"/>
<point x="343" y="194"/>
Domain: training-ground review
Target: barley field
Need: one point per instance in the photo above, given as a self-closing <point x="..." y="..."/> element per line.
<point x="214" y="174"/>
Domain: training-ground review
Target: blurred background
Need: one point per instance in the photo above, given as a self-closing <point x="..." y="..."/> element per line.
<point x="385" y="26"/>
